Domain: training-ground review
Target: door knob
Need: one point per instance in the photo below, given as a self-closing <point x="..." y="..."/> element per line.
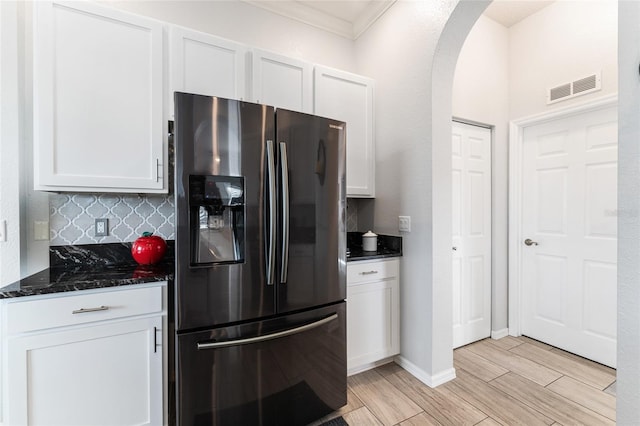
<point x="530" y="242"/>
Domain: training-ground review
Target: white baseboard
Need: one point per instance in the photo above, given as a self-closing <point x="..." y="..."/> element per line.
<point x="499" y="334"/>
<point x="420" y="374"/>
<point x="368" y="366"/>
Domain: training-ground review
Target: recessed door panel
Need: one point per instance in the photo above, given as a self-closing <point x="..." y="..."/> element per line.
<point x="600" y="298"/>
<point x="457" y="291"/>
<point x="601" y="202"/>
<point x="552" y="201"/>
<point x="477" y="148"/>
<point x="550" y="288"/>
<point x="456" y="199"/>
<point x="477" y="199"/>
<point x="477" y="288"/>
<point x="602" y="136"/>
<point x="551" y="144"/>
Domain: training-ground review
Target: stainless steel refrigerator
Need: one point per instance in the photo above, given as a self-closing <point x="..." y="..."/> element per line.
<point x="260" y="281"/>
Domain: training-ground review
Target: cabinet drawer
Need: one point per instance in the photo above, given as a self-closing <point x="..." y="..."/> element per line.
<point x="81" y="308"/>
<point x="358" y="272"/>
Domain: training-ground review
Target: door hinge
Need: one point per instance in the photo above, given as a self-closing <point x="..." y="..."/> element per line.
<point x="156" y="345"/>
<point x="159" y="175"/>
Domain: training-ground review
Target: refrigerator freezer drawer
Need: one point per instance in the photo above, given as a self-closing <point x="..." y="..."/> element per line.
<point x="289" y="370"/>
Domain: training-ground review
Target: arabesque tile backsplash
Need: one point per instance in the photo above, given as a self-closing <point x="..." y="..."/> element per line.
<point x="72" y="217"/>
<point x="352" y="215"/>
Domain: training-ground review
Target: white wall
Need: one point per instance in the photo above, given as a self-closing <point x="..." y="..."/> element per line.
<point x="9" y="146"/>
<point x="628" y="385"/>
<point x="34" y="204"/>
<point x="20" y="206"/>
<point x="398" y="52"/>
<point x="481" y="94"/>
<point x="561" y="43"/>
<point x="251" y="25"/>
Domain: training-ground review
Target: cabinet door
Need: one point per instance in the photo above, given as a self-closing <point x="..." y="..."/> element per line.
<point x="281" y="81"/>
<point x="348" y="97"/>
<point x="99" y="375"/>
<point x="372" y="322"/>
<point x="98" y="91"/>
<point x="206" y="65"/>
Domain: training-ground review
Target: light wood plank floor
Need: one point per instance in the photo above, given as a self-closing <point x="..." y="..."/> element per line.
<point x="511" y="381"/>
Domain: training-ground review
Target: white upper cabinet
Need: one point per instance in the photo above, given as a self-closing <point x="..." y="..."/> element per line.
<point x="281" y="81"/>
<point x="98" y="100"/>
<point x="349" y="97"/>
<point x="206" y="65"/>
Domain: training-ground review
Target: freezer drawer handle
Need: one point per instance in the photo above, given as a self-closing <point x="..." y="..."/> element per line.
<point x="284" y="168"/>
<point x="85" y="310"/>
<point x="218" y="345"/>
<point x="271" y="250"/>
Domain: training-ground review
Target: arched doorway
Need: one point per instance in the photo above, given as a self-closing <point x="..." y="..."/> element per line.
<point x="449" y="45"/>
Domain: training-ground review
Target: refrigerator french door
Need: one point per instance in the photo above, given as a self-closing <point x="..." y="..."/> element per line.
<point x="260" y="262"/>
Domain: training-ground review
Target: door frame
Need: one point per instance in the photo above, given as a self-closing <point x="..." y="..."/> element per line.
<point x="516" y="139"/>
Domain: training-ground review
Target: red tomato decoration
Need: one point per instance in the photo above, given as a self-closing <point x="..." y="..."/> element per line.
<point x="148" y="249"/>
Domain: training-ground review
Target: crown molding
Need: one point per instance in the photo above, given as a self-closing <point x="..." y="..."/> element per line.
<point x="301" y="12"/>
<point x="369" y="16"/>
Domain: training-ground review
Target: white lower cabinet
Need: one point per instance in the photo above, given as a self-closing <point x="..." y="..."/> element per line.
<point x="373" y="313"/>
<point x="104" y="369"/>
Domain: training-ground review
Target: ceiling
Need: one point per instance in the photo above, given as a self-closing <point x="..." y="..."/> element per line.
<point x="510" y="12"/>
<point x="350" y="18"/>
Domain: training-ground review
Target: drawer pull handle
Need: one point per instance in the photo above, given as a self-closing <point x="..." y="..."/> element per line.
<point x="368" y="272"/>
<point x="85" y="310"/>
<point x="258" y="339"/>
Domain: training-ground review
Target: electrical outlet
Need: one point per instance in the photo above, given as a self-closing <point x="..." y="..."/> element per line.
<point x="41" y="230"/>
<point x="404" y="223"/>
<point x="102" y="228"/>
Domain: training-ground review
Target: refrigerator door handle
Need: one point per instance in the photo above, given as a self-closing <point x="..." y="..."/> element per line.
<point x="284" y="170"/>
<point x="271" y="238"/>
<point x="284" y="333"/>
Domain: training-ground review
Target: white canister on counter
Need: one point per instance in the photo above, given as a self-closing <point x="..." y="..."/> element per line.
<point x="369" y="241"/>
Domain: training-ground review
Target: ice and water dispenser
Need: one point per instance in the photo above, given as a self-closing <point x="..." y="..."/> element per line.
<point x="216" y="219"/>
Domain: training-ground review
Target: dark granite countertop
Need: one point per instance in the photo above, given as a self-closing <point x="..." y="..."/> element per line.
<point x="88" y="267"/>
<point x="93" y="266"/>
<point x="388" y="246"/>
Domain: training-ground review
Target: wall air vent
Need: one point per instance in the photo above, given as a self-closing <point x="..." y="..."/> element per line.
<point x="560" y="92"/>
<point x="575" y="88"/>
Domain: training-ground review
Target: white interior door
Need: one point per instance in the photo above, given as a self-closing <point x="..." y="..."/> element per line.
<point x="471" y="184"/>
<point x="569" y="201"/>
